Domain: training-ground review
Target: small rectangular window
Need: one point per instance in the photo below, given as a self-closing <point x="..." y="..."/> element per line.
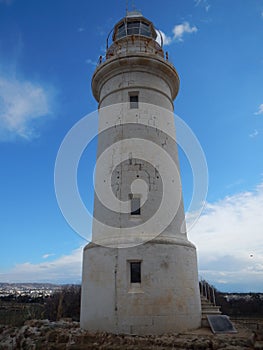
<point x="135" y="272"/>
<point x="134" y="101"/>
<point x="135" y="206"/>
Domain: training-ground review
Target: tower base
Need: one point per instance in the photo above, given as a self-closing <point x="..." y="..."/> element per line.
<point x="166" y="299"/>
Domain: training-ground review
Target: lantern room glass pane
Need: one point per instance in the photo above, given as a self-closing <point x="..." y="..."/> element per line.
<point x="133" y="28"/>
<point x="121" y="32"/>
<point x="145" y="29"/>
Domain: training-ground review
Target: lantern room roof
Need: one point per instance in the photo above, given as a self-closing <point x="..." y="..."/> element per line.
<point x="134" y="14"/>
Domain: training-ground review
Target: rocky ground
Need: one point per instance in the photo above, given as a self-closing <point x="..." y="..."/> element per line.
<point x="65" y="334"/>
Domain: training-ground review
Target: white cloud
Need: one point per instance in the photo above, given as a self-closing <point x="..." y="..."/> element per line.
<point x="180" y="29"/>
<point x="45" y="256"/>
<point x="260" y="110"/>
<point x="254" y="134"/>
<point x="66" y="269"/>
<point x="229" y="241"/>
<point x="22" y="104"/>
<point x="166" y="39"/>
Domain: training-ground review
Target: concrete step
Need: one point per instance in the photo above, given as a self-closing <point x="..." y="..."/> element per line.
<point x="211" y="312"/>
<point x="208" y="309"/>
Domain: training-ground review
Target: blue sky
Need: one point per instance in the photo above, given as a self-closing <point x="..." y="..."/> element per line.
<point x="48" y="53"/>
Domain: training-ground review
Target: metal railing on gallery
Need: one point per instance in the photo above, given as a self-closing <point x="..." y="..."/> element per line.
<point x="207" y="291"/>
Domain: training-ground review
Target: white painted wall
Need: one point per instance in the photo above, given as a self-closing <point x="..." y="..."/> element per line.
<point x="168" y="298"/>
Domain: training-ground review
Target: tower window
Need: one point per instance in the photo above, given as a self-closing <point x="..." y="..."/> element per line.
<point x="135" y="206"/>
<point x="135" y="272"/>
<point x="134" y="101"/>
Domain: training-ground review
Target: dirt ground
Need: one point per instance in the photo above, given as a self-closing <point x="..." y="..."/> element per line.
<point x="65" y="334"/>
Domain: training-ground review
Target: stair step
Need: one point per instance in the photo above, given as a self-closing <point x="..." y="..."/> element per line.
<point x="211" y="312"/>
<point x="209" y="307"/>
<point x="207" y="304"/>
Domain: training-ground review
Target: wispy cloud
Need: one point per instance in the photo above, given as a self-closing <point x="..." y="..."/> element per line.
<point x="235" y="183"/>
<point x="22" y="105"/>
<point x="66" y="269"/>
<point x="45" y="256"/>
<point x="203" y="3"/>
<point x="229" y="241"/>
<point x="260" y="110"/>
<point x="254" y="134"/>
<point x="89" y="61"/>
<point x="178" y="33"/>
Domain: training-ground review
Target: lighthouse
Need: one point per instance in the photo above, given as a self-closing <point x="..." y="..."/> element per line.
<point x="140" y="270"/>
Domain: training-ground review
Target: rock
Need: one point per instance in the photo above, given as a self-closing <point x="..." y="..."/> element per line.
<point x="57" y="347"/>
<point x="52" y="336"/>
<point x="202" y="344"/>
<point x="63" y="338"/>
<point x="43" y="334"/>
<point x="258" y="345"/>
<point x="259" y="335"/>
<point x="234" y="347"/>
<point x="88" y="338"/>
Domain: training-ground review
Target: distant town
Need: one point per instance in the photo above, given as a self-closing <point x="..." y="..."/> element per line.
<point x="32" y="290"/>
<point x="43" y="290"/>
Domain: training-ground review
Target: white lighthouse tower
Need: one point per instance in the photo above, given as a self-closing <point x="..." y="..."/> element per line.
<point x="140" y="271"/>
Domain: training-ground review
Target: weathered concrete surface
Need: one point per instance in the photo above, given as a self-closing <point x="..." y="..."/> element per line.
<point x="137" y="156"/>
<point x="167" y="298"/>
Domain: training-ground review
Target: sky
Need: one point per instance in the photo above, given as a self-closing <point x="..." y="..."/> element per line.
<point x="48" y="53"/>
